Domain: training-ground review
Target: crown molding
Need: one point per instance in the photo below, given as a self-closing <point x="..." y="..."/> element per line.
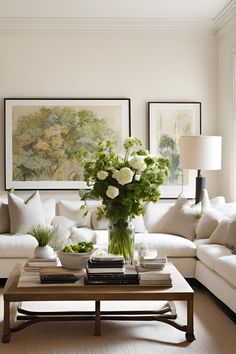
<point x="70" y="25"/>
<point x="226" y="17"/>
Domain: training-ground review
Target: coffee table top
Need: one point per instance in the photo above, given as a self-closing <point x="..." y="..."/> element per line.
<point x="34" y="291"/>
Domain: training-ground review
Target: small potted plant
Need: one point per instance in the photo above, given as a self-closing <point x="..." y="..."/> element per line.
<point x="43" y="235"/>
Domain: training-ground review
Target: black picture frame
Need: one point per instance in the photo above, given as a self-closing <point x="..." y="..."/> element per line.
<point x="167" y="121"/>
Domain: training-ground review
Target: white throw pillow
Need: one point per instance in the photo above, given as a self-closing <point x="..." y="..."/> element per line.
<point x="208" y="223"/>
<point x="155" y="212"/>
<point x="227" y="209"/>
<point x="82" y="234"/>
<point x="98" y="224"/>
<point x="4" y="217"/>
<point x="49" y="208"/>
<point x="139" y="226"/>
<point x="181" y="219"/>
<point x="71" y="209"/>
<point x="230" y="240"/>
<point x="219" y="234"/>
<point x="25" y="214"/>
<point x="63" y="230"/>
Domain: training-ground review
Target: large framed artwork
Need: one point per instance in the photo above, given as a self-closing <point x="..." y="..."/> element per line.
<point x="167" y="122"/>
<point x="43" y="137"/>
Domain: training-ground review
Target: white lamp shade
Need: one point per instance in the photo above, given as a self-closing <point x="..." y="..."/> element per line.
<point x="200" y="152"/>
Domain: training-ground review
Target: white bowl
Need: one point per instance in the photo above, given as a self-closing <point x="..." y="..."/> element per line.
<point x="74" y="260"/>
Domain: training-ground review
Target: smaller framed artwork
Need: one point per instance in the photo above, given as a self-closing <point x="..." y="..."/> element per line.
<point x="167" y="122"/>
<point x="43" y="137"/>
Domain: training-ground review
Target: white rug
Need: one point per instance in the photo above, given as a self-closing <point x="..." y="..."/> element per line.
<point x="214" y="331"/>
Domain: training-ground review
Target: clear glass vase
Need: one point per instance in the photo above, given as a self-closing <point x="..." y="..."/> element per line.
<point x="121" y="239"/>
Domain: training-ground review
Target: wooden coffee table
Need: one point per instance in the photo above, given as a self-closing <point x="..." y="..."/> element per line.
<point x="180" y="291"/>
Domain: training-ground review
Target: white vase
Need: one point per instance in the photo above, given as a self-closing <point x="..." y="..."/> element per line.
<point x="43" y="252"/>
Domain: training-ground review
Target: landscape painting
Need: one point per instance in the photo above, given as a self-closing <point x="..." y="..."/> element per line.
<point x="167" y="123"/>
<point x="43" y="138"/>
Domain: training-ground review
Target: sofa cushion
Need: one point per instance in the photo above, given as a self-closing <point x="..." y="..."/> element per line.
<point x="227" y="209"/>
<point x="4" y="217"/>
<point x="139" y="225"/>
<point x="82" y="234"/>
<point x="208" y="223"/>
<point x="98" y="224"/>
<point x="62" y="233"/>
<point x="186" y="216"/>
<point x="230" y="238"/>
<point x="208" y="254"/>
<point x="219" y="234"/>
<point x="226" y="268"/>
<point x="17" y="246"/>
<point x="154" y="214"/>
<point x="74" y="210"/>
<point x="25" y="214"/>
<point x="167" y="244"/>
<point x="49" y="208"/>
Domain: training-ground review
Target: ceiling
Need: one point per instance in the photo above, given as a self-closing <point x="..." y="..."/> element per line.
<point x="161" y="9"/>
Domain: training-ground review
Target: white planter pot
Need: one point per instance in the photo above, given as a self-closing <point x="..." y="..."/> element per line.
<point x="43" y="252"/>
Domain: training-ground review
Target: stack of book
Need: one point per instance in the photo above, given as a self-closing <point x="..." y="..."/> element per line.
<point x="156" y="278"/>
<point x="42" y="262"/>
<point x="147" y="264"/>
<point x="109" y="270"/>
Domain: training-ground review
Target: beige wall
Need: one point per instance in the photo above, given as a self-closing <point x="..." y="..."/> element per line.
<point x="148" y="66"/>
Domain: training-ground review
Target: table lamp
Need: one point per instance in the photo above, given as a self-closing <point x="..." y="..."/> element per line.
<point x="200" y="153"/>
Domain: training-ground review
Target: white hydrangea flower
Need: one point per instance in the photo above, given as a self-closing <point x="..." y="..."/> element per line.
<point x="137" y="162"/>
<point x="129" y="142"/>
<point x="124" y="175"/>
<point x="102" y="175"/>
<point x="137" y="177"/>
<point x="112" y="192"/>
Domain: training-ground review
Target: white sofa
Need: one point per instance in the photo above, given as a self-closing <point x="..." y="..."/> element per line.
<point x="213" y="265"/>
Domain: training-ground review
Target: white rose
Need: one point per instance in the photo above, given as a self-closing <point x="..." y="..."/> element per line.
<point x="112" y="192"/>
<point x="137" y="162"/>
<point x="124" y="175"/>
<point x="102" y="175"/>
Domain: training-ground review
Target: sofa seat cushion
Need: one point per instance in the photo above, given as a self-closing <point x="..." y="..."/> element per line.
<point x="17" y="246"/>
<point x="209" y="253"/>
<point x="226" y="268"/>
<point x="164" y="244"/>
<point x="167" y="244"/>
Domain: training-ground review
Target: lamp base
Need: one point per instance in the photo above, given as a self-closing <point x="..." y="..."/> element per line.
<point x="200" y="185"/>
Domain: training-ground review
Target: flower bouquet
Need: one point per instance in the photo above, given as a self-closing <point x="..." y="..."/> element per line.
<point x="124" y="182"/>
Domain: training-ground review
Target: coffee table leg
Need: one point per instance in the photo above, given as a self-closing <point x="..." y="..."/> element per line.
<point x="6" y="323"/>
<point x="189" y="333"/>
<point x="97" y="319"/>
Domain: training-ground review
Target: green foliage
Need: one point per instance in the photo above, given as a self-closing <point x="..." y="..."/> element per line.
<point x="139" y="182"/>
<point x="168" y="149"/>
<point x="46" y="143"/>
<point x="43" y="234"/>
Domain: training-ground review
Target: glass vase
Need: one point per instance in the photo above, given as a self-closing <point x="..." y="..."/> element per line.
<point x="121" y="239"/>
